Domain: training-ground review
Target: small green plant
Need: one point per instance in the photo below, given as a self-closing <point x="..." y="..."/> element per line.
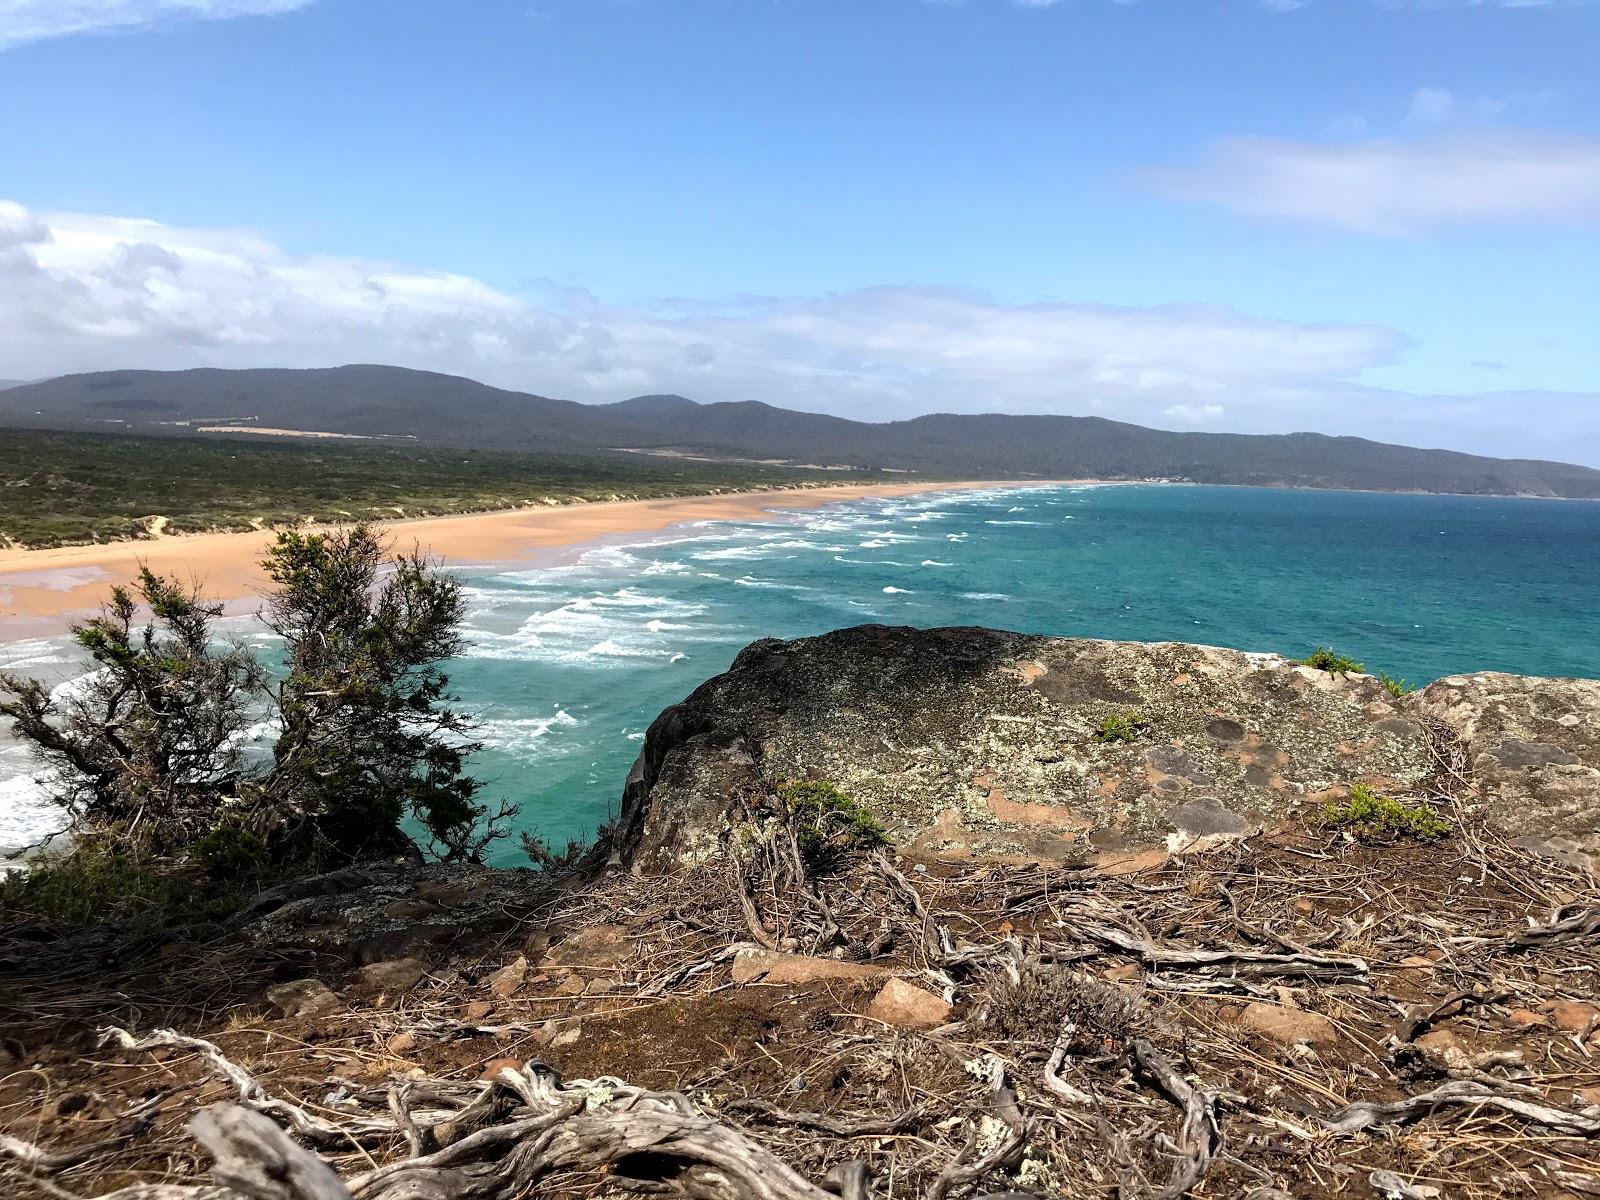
<point x="1123" y="726"/>
<point x="1371" y="817"/>
<point x="828" y="824"/>
<point x="1324" y="658"/>
<point x="1397" y="687"/>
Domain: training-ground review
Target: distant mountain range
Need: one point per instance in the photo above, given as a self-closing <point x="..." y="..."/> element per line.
<point x="380" y="402"/>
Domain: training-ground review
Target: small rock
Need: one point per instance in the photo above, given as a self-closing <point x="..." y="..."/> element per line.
<point x="572" y="985"/>
<point x="908" y="1006"/>
<point x="392" y="978"/>
<point x="1288" y="1025"/>
<point x="495" y="1066"/>
<point x="477" y="1010"/>
<point x="567" y="1037"/>
<point x="304" y="998"/>
<point x="1442" y="1046"/>
<point x="70" y="1103"/>
<point x="1573" y="1016"/>
<point x="597" y="946"/>
<point x="751" y="965"/>
<point x="1526" y="1018"/>
<point x="536" y="944"/>
<point x="410" y="910"/>
<point x="401" y="1044"/>
<point x="505" y="982"/>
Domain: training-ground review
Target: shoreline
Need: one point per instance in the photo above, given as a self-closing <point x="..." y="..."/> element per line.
<point x="41" y="589"/>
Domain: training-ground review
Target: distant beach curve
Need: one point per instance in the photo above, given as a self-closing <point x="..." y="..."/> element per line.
<point x="41" y="588"/>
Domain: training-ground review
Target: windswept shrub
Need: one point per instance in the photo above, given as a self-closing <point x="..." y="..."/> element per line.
<point x="1032" y="1007"/>
<point x="1324" y="658"/>
<point x="1370" y="817"/>
<point x="828" y="824"/>
<point x="106" y="878"/>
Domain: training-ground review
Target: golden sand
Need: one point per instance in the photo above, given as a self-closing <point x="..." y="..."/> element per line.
<point x="39" y="589"/>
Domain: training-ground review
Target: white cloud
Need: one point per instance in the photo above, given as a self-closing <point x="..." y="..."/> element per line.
<point x="80" y="293"/>
<point x="1194" y="414"/>
<point x="1393" y="186"/>
<point x="33" y="20"/>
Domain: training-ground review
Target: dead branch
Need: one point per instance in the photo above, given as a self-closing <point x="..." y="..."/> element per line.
<point x="1200" y="1137"/>
<point x="1245" y="962"/>
<point x="1457" y="1094"/>
<point x="256" y="1158"/>
<point x="1572" y="922"/>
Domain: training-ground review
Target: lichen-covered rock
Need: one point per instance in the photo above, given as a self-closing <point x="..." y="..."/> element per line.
<point x="977" y="742"/>
<point x="1534" y="749"/>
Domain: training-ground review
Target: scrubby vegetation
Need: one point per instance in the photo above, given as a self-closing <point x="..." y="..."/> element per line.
<point x="148" y="755"/>
<point x="1370" y="817"/>
<point x="828" y="824"/>
<point x="1323" y="658"/>
<point x="1396" y="687"/>
<point x="61" y="488"/>
<point x="1123" y="726"/>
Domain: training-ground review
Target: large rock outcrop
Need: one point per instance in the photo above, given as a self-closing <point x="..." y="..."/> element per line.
<point x="977" y="742"/>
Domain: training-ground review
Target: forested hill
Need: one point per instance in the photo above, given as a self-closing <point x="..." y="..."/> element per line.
<point x="396" y="404"/>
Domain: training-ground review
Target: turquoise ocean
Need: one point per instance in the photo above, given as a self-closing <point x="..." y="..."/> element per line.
<point x="572" y="656"/>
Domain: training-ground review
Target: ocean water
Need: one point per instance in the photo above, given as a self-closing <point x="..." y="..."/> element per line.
<point x="571" y="658"/>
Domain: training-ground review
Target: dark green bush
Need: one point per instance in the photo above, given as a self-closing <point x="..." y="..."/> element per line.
<point x="1323" y="658"/>
<point x="99" y="879"/>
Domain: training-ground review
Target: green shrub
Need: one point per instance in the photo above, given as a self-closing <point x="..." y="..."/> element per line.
<point x="828" y="824"/>
<point x="1323" y="658"/>
<point x="1370" y="817"/>
<point x="99" y="879"/>
<point x="1123" y="726"/>
<point x="1397" y="687"/>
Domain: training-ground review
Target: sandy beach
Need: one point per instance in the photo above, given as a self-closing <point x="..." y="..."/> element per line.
<point x="41" y="589"/>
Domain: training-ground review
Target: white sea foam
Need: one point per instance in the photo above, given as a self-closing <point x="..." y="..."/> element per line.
<point x="894" y="591"/>
<point x="1013" y="522"/>
<point x="931" y="562"/>
<point x="984" y="596"/>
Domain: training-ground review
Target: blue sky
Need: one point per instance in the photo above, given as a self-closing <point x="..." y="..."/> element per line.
<point x="1378" y="217"/>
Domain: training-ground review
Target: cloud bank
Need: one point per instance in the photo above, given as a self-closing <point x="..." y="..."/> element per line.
<point x="34" y="20"/>
<point x="1398" y="186"/>
<point x="83" y="292"/>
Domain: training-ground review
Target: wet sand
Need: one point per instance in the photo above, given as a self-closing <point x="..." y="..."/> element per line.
<point x="41" y="589"/>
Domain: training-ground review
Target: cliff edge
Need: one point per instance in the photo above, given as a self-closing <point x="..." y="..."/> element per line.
<point x="981" y="743"/>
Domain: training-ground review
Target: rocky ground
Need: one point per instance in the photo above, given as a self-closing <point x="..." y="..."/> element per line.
<point x="1270" y="1008"/>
